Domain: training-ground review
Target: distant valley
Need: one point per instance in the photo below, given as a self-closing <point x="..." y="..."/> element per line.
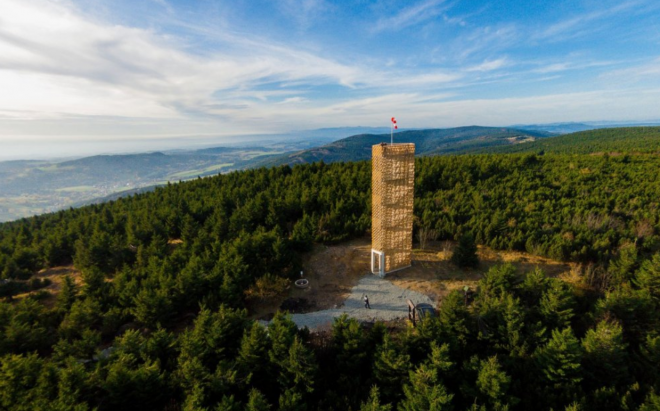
<point x="34" y="187"/>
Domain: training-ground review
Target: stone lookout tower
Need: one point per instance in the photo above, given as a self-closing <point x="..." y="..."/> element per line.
<point x="392" y="189"/>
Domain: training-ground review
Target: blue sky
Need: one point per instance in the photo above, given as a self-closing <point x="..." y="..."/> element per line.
<point x="113" y="70"/>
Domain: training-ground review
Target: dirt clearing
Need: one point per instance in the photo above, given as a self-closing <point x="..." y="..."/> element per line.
<point x="334" y="270"/>
<point x="56" y="276"/>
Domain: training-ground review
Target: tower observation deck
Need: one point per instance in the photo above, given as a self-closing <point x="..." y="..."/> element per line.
<point x="392" y="190"/>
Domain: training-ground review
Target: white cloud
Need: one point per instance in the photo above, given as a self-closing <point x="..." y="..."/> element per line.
<point x="293" y="100"/>
<point x="489" y="65"/>
<point x="55" y="61"/>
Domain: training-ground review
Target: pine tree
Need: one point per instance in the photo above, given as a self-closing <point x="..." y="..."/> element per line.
<point x="493" y="385"/>
<point x="652" y="402"/>
<point x="498" y="280"/>
<point x="373" y="403"/>
<point x="560" y="358"/>
<point x="560" y="365"/>
<point x="94" y="283"/>
<point x="455" y="320"/>
<point x="648" y="277"/>
<point x="292" y="400"/>
<point x="256" y="401"/>
<point x="465" y="254"/>
<point x="228" y="403"/>
<point x="556" y="305"/>
<point x="67" y="295"/>
<point x="253" y="351"/>
<point x="391" y="369"/>
<point x="605" y="354"/>
<point x="299" y="370"/>
<point x="425" y="392"/>
<point x="282" y="332"/>
<point x="621" y="270"/>
<point x="352" y="357"/>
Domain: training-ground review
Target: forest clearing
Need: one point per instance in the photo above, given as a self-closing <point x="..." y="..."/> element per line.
<point x="333" y="270"/>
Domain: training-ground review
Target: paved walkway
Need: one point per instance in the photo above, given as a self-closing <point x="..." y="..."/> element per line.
<point x="388" y="302"/>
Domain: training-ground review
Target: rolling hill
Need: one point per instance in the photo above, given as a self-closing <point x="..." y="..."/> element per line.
<point x="606" y="140"/>
<point x="428" y="142"/>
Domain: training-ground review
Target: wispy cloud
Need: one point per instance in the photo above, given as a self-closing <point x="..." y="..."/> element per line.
<point x="304" y="12"/>
<point x="88" y="68"/>
<point x="489" y="65"/>
<point x="484" y="41"/>
<point x="650" y="69"/>
<point x="570" y="65"/>
<point x="411" y="15"/>
<point x="581" y="24"/>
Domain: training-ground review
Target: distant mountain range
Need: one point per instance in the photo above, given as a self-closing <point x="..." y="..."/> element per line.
<point x="565" y="128"/>
<point x="34" y="187"/>
<point x="427" y="142"/>
<point x="598" y="141"/>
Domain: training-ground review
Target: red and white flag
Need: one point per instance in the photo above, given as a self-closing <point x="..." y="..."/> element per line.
<point x="394" y="126"/>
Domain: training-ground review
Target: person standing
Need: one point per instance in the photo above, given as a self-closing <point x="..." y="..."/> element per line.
<point x="366" y="302"/>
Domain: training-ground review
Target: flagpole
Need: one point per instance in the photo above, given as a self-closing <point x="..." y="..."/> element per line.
<point x="392" y="127"/>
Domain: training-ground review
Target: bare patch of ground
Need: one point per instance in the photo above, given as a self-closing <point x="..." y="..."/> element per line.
<point x="56" y="276"/>
<point x="334" y="270"/>
<point x="434" y="275"/>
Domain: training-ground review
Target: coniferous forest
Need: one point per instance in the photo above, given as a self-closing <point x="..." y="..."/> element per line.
<point x="164" y="276"/>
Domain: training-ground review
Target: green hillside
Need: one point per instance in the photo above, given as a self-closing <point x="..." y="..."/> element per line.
<point x="156" y="318"/>
<point x="427" y="142"/>
<point x="606" y="140"/>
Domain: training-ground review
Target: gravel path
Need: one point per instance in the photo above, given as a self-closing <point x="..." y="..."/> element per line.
<point x="388" y="302"/>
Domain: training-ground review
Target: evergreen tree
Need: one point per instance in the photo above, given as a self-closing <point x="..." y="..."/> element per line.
<point x="634" y="309"/>
<point x="455" y="320"/>
<point x="256" y="401"/>
<point x="299" y="371"/>
<point x="623" y="268"/>
<point x="465" y="254"/>
<point x="652" y="402"/>
<point x="557" y="304"/>
<point x="253" y="351"/>
<point x="560" y="365"/>
<point x="373" y="403"/>
<point x="67" y="295"/>
<point x="498" y="280"/>
<point x="440" y="361"/>
<point x="282" y="331"/>
<point x="493" y="385"/>
<point x="425" y="392"/>
<point x="292" y="400"/>
<point x="352" y="360"/>
<point x="605" y="355"/>
<point x="650" y="356"/>
<point x="648" y="277"/>
<point x="228" y="403"/>
<point x="391" y="368"/>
